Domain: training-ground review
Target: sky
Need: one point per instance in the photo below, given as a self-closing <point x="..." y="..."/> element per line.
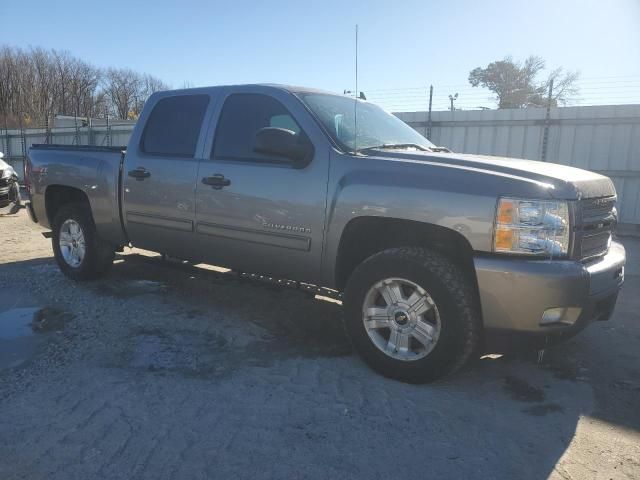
<point x="403" y="44"/>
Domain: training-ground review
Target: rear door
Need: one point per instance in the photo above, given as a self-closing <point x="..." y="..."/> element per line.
<point x="264" y="215"/>
<point x="160" y="172"/>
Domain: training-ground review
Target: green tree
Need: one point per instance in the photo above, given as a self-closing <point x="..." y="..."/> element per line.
<point x="516" y="84"/>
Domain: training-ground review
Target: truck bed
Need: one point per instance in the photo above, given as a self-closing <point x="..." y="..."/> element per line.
<point x="92" y="171"/>
<point x="81" y="148"/>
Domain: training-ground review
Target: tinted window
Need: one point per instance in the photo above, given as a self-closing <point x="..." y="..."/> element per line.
<point x="241" y="118"/>
<point x="174" y="125"/>
<point x="284" y="121"/>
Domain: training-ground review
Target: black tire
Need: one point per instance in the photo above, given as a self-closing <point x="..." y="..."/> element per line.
<point x="16" y="201"/>
<point x="99" y="254"/>
<point x="454" y="297"/>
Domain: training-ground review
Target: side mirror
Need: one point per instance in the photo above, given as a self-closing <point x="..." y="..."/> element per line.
<point x="282" y="142"/>
<point x="1" y="155"/>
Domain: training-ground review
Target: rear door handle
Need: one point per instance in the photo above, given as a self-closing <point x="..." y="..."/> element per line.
<point x="140" y="173"/>
<point x="217" y="181"/>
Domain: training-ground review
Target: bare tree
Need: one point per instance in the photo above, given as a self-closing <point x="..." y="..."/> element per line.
<point x="565" y="86"/>
<point x="63" y="66"/>
<point x="153" y="84"/>
<point x="8" y="86"/>
<point x="36" y="84"/>
<point x="45" y="88"/>
<point x="127" y="91"/>
<point x="83" y="84"/>
<point x="150" y="85"/>
<point x="122" y="87"/>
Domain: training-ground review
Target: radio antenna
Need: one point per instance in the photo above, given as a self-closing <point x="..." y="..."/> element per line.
<point x="355" y="105"/>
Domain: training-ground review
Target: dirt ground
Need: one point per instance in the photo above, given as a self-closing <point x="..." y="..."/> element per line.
<point x="164" y="370"/>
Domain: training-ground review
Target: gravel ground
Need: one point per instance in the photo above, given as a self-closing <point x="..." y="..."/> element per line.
<point x="164" y="370"/>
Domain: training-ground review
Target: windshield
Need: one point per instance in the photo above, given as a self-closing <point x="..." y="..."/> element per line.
<point x="376" y="128"/>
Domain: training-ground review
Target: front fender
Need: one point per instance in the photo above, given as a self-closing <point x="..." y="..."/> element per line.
<point x="367" y="194"/>
<point x="440" y="193"/>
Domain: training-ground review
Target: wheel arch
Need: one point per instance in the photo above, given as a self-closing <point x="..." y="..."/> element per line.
<point x="365" y="236"/>
<point x="56" y="196"/>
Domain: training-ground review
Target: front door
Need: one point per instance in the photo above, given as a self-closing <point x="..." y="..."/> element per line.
<point x="258" y="212"/>
<point x="159" y="176"/>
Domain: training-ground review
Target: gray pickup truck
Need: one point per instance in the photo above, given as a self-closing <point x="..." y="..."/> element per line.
<point x="439" y="256"/>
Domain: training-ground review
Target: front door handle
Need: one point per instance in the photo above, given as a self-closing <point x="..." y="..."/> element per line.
<point x="140" y="173"/>
<point x="216" y="181"/>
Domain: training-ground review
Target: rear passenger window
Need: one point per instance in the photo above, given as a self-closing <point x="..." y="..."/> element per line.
<point x="174" y="125"/>
<point x="243" y="114"/>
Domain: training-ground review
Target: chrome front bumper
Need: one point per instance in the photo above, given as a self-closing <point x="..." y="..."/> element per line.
<point x="515" y="293"/>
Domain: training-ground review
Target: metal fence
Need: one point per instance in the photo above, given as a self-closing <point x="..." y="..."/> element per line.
<point x="604" y="139"/>
<point x="16" y="143"/>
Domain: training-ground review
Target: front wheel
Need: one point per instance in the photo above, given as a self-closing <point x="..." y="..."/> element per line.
<point x="14" y="197"/>
<point x="79" y="252"/>
<point x="412" y="315"/>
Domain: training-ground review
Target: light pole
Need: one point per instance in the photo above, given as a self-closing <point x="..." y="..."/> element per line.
<point x="451" y="99"/>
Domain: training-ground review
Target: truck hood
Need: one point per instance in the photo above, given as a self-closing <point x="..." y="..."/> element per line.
<point x="565" y="182"/>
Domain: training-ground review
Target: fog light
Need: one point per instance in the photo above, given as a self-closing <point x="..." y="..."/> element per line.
<point x="562" y="315"/>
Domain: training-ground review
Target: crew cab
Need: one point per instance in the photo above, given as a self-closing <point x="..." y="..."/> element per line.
<point x="437" y="254"/>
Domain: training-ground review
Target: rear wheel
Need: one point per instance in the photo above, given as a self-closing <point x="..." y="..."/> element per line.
<point x="411" y="314"/>
<point x="79" y="252"/>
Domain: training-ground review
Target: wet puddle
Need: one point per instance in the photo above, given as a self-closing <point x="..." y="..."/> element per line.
<point x="521" y="391"/>
<point x="130" y="288"/>
<point x="182" y="351"/>
<point x="17" y="322"/>
<point x="209" y="354"/>
<point x="24" y="330"/>
<point x="544" y="409"/>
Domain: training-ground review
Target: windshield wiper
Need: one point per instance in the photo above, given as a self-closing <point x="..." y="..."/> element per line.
<point x="393" y="146"/>
<point x="440" y="149"/>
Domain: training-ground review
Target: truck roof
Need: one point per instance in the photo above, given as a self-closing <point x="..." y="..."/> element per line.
<point x="275" y="86"/>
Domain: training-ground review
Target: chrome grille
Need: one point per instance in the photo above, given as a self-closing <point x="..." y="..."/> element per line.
<point x="596" y="223"/>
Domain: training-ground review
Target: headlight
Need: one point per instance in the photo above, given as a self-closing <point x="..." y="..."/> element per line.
<point x="7" y="172"/>
<point x="532" y="227"/>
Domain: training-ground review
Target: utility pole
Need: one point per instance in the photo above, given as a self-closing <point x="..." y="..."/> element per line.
<point x="23" y="136"/>
<point x="7" y="151"/>
<point x="76" y="137"/>
<point x="47" y="135"/>
<point x="107" y="137"/>
<point x="547" y="123"/>
<point x="429" y="117"/>
<point x="451" y="99"/>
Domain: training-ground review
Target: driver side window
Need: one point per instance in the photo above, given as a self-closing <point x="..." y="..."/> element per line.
<point x="242" y="116"/>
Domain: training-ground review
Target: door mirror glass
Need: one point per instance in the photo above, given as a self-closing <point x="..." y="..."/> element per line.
<point x="282" y="142"/>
